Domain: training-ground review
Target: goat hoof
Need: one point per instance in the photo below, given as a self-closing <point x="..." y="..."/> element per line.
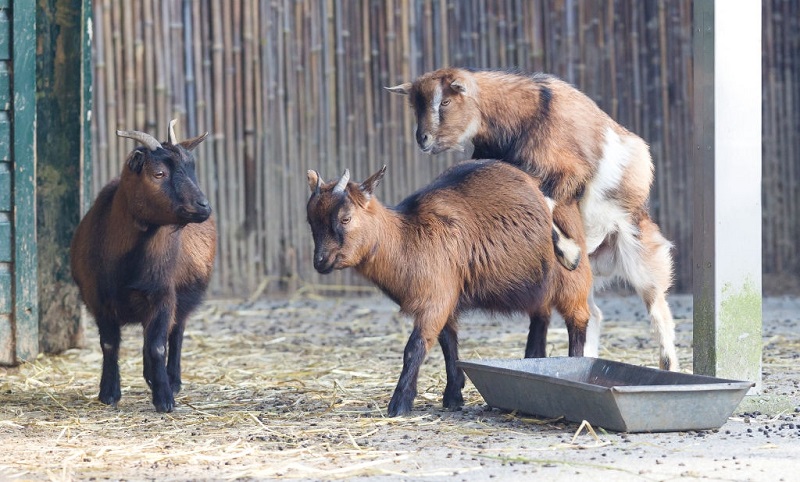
<point x="399" y="407"/>
<point x="163" y="400"/>
<point x="164" y="406"/>
<point x="453" y="402"/>
<point x="176" y="387"/>
<point x="109" y="398"/>
<point x="668" y="363"/>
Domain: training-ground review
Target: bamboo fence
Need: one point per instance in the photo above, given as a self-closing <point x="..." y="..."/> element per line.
<point x="289" y="85"/>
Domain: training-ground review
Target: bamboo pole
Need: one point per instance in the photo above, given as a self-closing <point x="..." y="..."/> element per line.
<point x="100" y="139"/>
<point x="149" y="66"/>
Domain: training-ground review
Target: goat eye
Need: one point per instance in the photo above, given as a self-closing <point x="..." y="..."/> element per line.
<point x="345" y="220"/>
<point x="159" y="174"/>
<point x="446" y="102"/>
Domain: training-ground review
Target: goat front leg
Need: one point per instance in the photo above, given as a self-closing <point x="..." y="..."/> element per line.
<point x="406" y="390"/>
<point x="174" y="358"/>
<point x="568" y="252"/>
<point x="448" y="339"/>
<point x="427" y="328"/>
<point x="110" y="392"/>
<point x="154" y="353"/>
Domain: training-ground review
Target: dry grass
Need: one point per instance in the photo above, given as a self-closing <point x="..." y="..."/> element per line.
<point x="288" y="388"/>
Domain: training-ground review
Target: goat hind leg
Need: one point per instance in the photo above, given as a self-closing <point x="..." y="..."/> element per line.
<point x="592" y="346"/>
<point x="648" y="268"/>
<point x="448" y="339"/>
<point x="536" y="346"/>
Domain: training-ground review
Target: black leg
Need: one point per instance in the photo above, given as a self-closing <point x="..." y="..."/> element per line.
<point x="448" y="339"/>
<point x="109" y="380"/>
<point x="406" y="391"/>
<point x="577" y="339"/>
<point x="154" y="355"/>
<point x="537" y="335"/>
<point x="174" y="358"/>
<point x="188" y="299"/>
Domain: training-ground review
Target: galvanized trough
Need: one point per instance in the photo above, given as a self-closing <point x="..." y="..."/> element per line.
<point x="613" y="395"/>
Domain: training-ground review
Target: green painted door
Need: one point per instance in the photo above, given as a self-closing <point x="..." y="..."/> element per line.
<point x="18" y="256"/>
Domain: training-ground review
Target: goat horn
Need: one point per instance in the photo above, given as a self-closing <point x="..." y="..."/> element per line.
<point x="342" y="182"/>
<point x="319" y="183"/>
<point x="145" y="139"/>
<point x="172" y="139"/>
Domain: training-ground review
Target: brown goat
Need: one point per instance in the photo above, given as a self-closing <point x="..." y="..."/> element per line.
<point x="144" y="254"/>
<point x="478" y="237"/>
<point x="557" y="134"/>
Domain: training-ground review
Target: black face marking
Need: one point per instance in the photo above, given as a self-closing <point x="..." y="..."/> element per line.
<point x="418" y="101"/>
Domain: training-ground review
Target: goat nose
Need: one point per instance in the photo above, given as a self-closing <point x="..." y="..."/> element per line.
<point x="424" y="140"/>
<point x="203" y="202"/>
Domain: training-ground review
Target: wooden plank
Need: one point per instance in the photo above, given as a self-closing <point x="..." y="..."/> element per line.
<point x="25" y="294"/>
<point x="5" y="34"/>
<point x="5" y="138"/>
<point x="6" y="243"/>
<point x="6" y="300"/>
<point x="6" y="331"/>
<point x="5" y="86"/>
<point x="5" y="186"/>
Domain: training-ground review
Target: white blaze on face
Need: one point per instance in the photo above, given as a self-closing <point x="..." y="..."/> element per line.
<point x="436" y="103"/>
<point x="602" y="214"/>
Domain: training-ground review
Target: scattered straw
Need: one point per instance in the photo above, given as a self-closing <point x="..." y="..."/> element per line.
<point x="294" y="388"/>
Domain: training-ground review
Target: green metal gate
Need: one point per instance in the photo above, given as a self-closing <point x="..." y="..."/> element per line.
<point x="18" y="265"/>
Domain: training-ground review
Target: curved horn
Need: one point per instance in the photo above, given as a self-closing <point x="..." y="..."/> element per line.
<point x="172" y="139"/>
<point x="145" y="139"/>
<point x="342" y="182"/>
<point x="319" y="183"/>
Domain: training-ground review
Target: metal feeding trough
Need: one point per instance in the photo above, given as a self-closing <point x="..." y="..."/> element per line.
<point x="616" y="396"/>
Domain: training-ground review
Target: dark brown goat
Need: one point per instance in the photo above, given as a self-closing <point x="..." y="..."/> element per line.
<point x="559" y="135"/>
<point x="478" y="237"/>
<point x="144" y="254"/>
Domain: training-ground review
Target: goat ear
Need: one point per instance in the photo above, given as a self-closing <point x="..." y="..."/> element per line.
<point x="402" y="89"/>
<point x="190" y="144"/>
<point x="136" y="161"/>
<point x="459" y="85"/>
<point x="314" y="181"/>
<point x="368" y="186"/>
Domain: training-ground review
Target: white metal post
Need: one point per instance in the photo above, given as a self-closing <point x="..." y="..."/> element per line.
<point x="727" y="189"/>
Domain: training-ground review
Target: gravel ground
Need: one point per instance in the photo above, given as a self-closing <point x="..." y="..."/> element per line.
<point x="297" y="389"/>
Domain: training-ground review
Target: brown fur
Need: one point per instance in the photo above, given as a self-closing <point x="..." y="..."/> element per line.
<point x="478" y="237"/>
<point x="144" y="254"/>
<point x="557" y="134"/>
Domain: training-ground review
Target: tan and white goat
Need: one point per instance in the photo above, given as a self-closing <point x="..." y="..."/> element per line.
<point x="559" y="135"/>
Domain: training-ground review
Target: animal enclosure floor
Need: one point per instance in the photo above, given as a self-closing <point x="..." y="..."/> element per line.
<point x="297" y="388"/>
